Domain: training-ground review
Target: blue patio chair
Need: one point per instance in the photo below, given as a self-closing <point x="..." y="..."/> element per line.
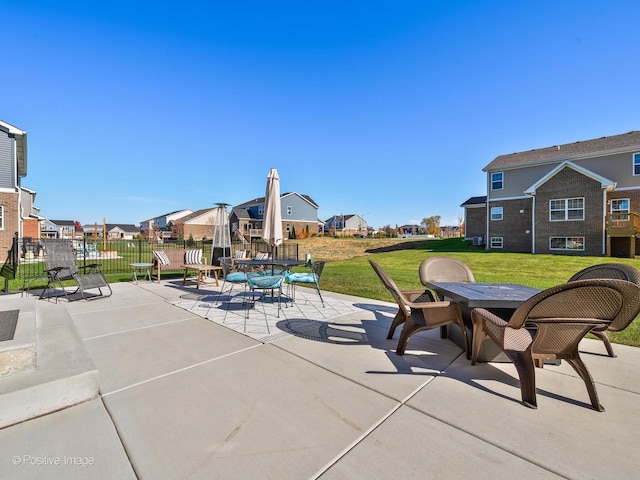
<point x="309" y="278"/>
<point x="264" y="282"/>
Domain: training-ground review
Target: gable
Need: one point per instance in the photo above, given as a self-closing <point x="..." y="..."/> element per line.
<point x="605" y="183"/>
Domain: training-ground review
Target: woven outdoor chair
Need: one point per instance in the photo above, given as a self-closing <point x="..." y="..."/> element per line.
<point x="61" y="265"/>
<point x="620" y="271"/>
<point x="562" y="316"/>
<point x="444" y="269"/>
<point x="418" y="311"/>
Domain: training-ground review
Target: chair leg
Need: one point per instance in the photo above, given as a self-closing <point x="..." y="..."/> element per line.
<point x="578" y="365"/>
<point x="408" y="329"/>
<point x="464" y="338"/>
<point x="479" y="336"/>
<point x="523" y="362"/>
<point x="397" y="320"/>
<point x="607" y="343"/>
<point x="320" y="294"/>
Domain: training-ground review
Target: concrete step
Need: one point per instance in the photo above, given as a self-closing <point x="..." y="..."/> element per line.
<point x="62" y="375"/>
<point x="20" y="352"/>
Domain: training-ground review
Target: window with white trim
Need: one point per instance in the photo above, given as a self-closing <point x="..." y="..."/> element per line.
<point x="636" y="163"/>
<point x="497" y="181"/>
<point x="496" y="213"/>
<point x="289" y="210"/>
<point x="566" y="243"/>
<point x="497" y="242"/>
<point x="620" y="205"/>
<point x="566" y="209"/>
<point x="260" y="210"/>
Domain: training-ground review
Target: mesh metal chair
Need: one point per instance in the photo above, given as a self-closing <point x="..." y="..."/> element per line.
<point x="562" y="316"/>
<point x="620" y="271"/>
<point x="61" y="265"/>
<point x="418" y="311"/>
<point x="309" y="278"/>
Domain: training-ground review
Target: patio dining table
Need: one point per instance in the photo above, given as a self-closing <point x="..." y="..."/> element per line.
<point x="500" y="298"/>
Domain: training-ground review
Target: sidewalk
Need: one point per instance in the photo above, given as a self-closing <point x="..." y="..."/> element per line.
<point x="185" y="397"/>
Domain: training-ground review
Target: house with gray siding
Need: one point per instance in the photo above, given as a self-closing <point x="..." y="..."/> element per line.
<point x="58" y="229"/>
<point x="580" y="198"/>
<point x="18" y="214"/>
<point x="346" y="225"/>
<point x="299" y="212"/>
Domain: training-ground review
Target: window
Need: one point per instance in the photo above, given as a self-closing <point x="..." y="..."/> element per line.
<point x="620" y="205"/>
<point x="496" y="213"/>
<point x="1" y="217"/>
<point x="566" y="243"/>
<point x="261" y="210"/>
<point x="566" y="209"/>
<point x="289" y="210"/>
<point x="496" y="242"/>
<point x="496" y="181"/>
<point x="636" y="163"/>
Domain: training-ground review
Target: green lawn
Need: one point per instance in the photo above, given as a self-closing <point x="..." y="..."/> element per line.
<point x="356" y="277"/>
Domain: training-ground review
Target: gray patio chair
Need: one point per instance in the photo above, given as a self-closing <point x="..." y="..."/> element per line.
<point x="620" y="271"/>
<point x="61" y="265"/>
<point x="562" y="316"/>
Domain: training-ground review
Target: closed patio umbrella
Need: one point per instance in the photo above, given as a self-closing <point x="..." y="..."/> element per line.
<point x="272" y="218"/>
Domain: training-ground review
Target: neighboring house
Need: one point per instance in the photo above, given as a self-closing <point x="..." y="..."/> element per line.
<point x="58" y="229"/>
<point x="346" y="225"/>
<point x="581" y="198"/>
<point x="412" y="229"/>
<point x="161" y="226"/>
<point x="197" y="225"/>
<point x="115" y="231"/>
<point x="17" y="211"/>
<point x="298" y="212"/>
<point x="475" y="219"/>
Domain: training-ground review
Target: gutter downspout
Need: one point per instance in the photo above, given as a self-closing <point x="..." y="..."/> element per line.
<point x="533" y="224"/>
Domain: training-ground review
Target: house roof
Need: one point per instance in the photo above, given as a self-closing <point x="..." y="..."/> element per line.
<point x="475" y="201"/>
<point x="61" y="223"/>
<point x="625" y="141"/>
<point x="260" y="200"/>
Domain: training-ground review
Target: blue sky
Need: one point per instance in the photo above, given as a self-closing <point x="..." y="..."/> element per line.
<point x="385" y="109"/>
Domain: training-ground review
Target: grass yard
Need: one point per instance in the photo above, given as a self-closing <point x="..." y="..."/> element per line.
<point x="348" y="270"/>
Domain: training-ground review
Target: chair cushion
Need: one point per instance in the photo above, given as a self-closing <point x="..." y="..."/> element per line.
<point x="161" y="257"/>
<point x="192" y="257"/>
<point x="262" y="256"/>
<point x="236" y="277"/>
<point x="265" y="281"/>
<point x="302" y="277"/>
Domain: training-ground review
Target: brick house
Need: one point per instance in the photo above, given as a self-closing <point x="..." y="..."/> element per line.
<point x="18" y="214"/>
<point x="581" y="198"/>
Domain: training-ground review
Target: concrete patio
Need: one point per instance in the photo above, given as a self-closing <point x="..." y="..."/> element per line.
<point x="325" y="396"/>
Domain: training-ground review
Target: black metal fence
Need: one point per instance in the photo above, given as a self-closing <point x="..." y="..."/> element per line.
<point x="25" y="259"/>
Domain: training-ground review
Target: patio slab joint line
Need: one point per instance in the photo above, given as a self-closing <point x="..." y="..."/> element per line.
<point x="173" y="372"/>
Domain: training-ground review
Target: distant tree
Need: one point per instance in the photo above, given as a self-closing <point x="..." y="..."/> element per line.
<point x="292" y="235"/>
<point x="77" y="226"/>
<point x="432" y="224"/>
